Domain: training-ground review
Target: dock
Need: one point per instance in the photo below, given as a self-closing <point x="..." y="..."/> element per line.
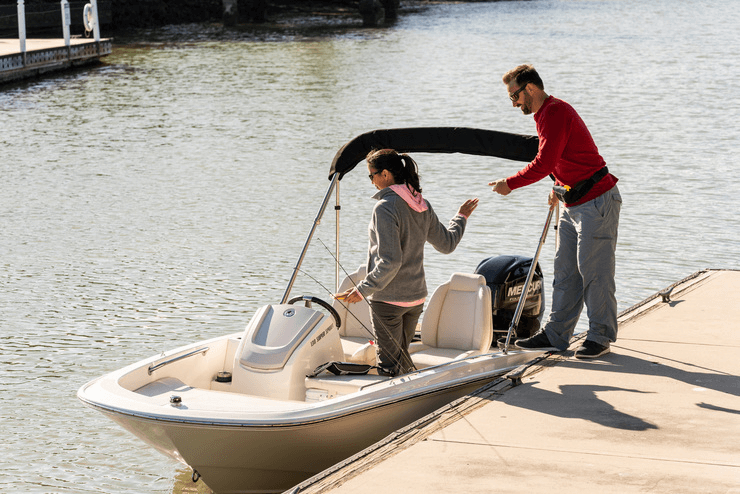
<point x="659" y="414"/>
<point x="48" y="55"/>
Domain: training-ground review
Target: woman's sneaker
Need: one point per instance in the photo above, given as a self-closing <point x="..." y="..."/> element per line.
<point x="386" y="371"/>
<point x="591" y="349"/>
<point x="539" y="341"/>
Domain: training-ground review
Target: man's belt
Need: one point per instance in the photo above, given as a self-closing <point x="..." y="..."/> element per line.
<point x="569" y="195"/>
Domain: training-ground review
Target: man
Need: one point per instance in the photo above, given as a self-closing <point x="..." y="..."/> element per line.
<point x="587" y="231"/>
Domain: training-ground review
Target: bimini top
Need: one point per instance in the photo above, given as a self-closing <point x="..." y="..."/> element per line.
<point x="463" y="140"/>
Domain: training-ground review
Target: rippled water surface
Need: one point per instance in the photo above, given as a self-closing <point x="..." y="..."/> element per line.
<point x="161" y="198"/>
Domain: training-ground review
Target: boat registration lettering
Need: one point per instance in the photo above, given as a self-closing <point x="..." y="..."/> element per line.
<point x="319" y="336"/>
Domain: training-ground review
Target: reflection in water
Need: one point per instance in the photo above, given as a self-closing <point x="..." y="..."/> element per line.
<point x="184" y="484"/>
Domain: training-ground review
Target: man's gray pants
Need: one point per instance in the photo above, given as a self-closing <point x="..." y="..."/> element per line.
<point x="584" y="271"/>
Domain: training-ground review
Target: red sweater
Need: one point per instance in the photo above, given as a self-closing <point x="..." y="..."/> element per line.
<point x="566" y="150"/>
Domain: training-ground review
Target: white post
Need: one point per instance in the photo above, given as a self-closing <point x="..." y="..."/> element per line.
<point x="96" y="25"/>
<point x="22" y="27"/>
<point x="66" y="21"/>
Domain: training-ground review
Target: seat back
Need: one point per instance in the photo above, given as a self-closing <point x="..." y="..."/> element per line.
<point x="458" y="315"/>
<point x="355" y="317"/>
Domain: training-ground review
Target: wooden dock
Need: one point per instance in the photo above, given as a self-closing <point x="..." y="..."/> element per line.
<point x="48" y="55"/>
<point x="659" y="414"/>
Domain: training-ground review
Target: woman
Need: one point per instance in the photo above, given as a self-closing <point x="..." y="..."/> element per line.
<point x="402" y="222"/>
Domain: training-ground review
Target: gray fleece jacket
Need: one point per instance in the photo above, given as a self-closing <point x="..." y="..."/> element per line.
<point x="395" y="263"/>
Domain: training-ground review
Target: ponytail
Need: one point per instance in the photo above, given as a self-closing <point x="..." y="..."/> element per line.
<point x="411" y="172"/>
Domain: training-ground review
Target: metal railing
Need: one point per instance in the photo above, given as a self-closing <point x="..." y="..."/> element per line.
<point x="153" y="367"/>
<point x="90" y="20"/>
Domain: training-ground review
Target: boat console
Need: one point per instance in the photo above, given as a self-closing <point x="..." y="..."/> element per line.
<point x="281" y="345"/>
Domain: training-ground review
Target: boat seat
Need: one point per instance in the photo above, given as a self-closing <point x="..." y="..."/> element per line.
<point x="356" y="330"/>
<point x="457" y="321"/>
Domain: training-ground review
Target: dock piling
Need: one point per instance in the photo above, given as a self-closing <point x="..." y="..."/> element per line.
<point x="22" y="28"/>
<point x="66" y="21"/>
<point x="96" y="25"/>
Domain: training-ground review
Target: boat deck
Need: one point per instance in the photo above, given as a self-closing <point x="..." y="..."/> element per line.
<point x="661" y="413"/>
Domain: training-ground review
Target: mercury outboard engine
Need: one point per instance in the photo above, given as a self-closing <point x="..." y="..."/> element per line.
<point x="505" y="276"/>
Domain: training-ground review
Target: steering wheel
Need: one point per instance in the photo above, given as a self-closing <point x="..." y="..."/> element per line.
<point x="310" y="298"/>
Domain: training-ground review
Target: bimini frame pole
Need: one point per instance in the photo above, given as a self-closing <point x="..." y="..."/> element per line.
<point x="316" y="222"/>
<point x="337" y="209"/>
<point x="525" y="289"/>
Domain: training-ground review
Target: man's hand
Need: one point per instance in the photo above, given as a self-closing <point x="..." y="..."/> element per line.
<point x="500" y="186"/>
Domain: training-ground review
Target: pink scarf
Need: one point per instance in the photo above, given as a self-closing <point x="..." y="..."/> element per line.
<point x="412" y="198"/>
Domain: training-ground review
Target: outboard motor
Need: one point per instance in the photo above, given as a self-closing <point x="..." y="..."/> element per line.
<point x="505" y="276"/>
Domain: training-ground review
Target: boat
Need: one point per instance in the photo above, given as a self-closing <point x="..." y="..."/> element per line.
<point x="297" y="391"/>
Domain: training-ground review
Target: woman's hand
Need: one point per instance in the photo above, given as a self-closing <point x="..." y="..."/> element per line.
<point x="468" y="207"/>
<point x="350" y="296"/>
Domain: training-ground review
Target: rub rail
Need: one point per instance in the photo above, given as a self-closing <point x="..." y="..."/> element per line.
<point x="152" y="368"/>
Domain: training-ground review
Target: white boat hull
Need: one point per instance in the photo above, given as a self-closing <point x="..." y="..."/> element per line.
<point x="243" y="459"/>
<point x="247" y="444"/>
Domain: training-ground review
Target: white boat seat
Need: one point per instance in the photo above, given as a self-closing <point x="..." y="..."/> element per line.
<point x="457" y="321"/>
<point x="356" y="330"/>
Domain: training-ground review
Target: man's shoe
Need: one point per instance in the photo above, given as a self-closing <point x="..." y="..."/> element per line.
<point x="539" y="341"/>
<point x="591" y="349"/>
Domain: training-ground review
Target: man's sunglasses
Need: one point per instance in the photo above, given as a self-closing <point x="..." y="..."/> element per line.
<point x="515" y="95"/>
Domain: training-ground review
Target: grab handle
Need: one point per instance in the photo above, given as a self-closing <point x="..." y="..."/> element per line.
<point x="152" y="368"/>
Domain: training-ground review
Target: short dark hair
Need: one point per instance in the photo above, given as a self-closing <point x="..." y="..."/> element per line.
<point x="524" y="74"/>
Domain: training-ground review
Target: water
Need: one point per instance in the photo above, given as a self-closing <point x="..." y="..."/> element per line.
<point x="162" y="198"/>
